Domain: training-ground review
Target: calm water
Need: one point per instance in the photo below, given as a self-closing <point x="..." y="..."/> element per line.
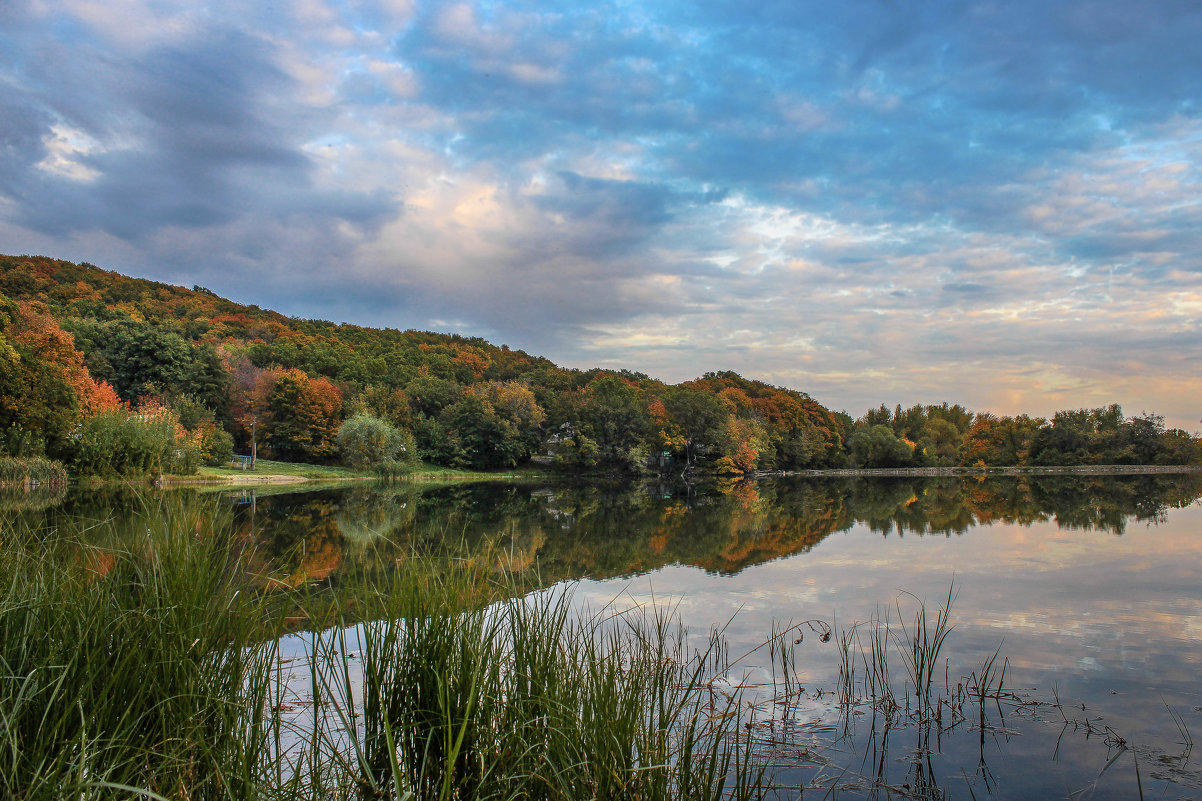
<point x="1091" y="587"/>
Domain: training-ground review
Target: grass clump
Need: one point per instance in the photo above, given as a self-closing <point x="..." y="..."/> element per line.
<point x="153" y="669"/>
<point x="921" y="644"/>
<point x="127" y="668"/>
<point x="522" y="698"/>
<point x="32" y="470"/>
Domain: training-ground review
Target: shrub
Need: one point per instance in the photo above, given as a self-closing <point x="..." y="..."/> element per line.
<point x="366" y="441"/>
<point x="214" y="444"/>
<point x="120" y="443"/>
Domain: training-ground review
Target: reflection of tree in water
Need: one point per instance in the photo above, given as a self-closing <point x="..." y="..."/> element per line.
<point x="1100" y="502"/>
<point x="38" y="499"/>
<point x="954" y="505"/>
<point x="575" y="531"/>
<point x="297" y="537"/>
<point x="602" y="532"/>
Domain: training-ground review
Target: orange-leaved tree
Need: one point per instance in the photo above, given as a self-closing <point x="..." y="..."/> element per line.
<point x="303" y="415"/>
<point x="44" y="387"/>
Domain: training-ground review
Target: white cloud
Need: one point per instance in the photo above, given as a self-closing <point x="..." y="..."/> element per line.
<point x="128" y="24"/>
<point x="66" y="150"/>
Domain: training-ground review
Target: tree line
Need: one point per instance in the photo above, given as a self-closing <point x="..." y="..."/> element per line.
<point x="122" y="376"/>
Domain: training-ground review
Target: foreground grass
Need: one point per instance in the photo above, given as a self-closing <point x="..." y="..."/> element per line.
<point x="155" y="672"/>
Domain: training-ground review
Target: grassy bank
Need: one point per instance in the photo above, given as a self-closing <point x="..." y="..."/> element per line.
<point x="423" y="471"/>
<point x="268" y="467"/>
<point x="156" y="672"/>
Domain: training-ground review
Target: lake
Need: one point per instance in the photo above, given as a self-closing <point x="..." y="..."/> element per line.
<point x="1088" y="588"/>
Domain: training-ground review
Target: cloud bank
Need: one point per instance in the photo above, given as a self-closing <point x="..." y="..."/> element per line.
<point x="989" y="203"/>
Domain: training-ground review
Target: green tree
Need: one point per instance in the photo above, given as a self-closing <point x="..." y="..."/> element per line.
<point x="878" y="446"/>
<point x="609" y="427"/>
<point x="388" y="404"/>
<point x="429" y="395"/>
<point x="497" y="424"/>
<point x="1082" y="436"/>
<point x="698" y="421"/>
<point x="939" y="441"/>
<point x="1000" y="441"/>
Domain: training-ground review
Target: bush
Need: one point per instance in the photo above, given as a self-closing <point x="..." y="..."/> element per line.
<point x="122" y="444"/>
<point x="205" y="433"/>
<point x="214" y="444"/>
<point x="366" y="442"/>
<point x="220" y="447"/>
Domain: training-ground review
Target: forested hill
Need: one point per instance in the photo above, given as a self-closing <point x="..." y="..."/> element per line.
<point x="90" y="355"/>
<point x="467" y="402"/>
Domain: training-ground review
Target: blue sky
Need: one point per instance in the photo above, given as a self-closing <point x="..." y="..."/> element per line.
<point x="992" y="203"/>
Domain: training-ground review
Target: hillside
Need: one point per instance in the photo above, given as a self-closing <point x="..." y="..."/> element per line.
<point x="466" y="401"/>
<point x="91" y="356"/>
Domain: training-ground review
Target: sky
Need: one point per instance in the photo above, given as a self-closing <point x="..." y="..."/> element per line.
<point x="988" y="203"/>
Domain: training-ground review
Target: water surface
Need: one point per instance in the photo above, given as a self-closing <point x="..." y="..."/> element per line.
<point x="1090" y="587"/>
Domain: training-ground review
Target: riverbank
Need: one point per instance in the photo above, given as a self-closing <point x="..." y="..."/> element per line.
<point x="1092" y="469"/>
<point x="272" y="472"/>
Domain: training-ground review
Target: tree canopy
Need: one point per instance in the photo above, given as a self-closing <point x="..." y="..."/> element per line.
<point x="76" y="341"/>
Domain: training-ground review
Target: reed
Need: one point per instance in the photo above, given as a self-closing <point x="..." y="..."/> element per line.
<point x="846" y="639"/>
<point x="921" y="644"/>
<point x="876" y="644"/>
<point x="988" y="682"/>
<point x="877" y="670"/>
<point x="134" y="668"/>
<point x="153" y="670"/>
<point x="522" y="698"/>
<point x="31" y="471"/>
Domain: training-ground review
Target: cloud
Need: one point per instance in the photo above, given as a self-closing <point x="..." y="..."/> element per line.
<point x="992" y="203"/>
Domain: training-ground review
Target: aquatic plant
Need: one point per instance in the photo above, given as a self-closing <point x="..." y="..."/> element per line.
<point x="921" y="644"/>
<point x="139" y="668"/>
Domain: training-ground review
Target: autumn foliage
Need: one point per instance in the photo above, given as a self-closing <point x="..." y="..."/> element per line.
<point x="80" y="344"/>
<point x="302" y="415"/>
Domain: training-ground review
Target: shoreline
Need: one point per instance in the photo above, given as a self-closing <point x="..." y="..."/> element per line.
<point x="234" y="480"/>
<point x="279" y="478"/>
<point x="1092" y="469"/>
<point x="269" y="479"/>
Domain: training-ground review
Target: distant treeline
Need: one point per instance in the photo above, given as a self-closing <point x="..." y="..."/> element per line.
<point x="123" y="376"/>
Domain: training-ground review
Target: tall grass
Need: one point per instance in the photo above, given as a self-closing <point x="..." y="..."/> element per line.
<point x="128" y="669"/>
<point x="523" y="698"/>
<point x="31" y="470"/>
<point x="152" y="669"/>
<point x="921" y="645"/>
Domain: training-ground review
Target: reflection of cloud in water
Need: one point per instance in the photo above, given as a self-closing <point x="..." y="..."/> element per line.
<point x="1092" y="614"/>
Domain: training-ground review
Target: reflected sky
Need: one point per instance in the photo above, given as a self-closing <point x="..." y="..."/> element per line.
<point x="1096" y="619"/>
<point x="1091" y="588"/>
